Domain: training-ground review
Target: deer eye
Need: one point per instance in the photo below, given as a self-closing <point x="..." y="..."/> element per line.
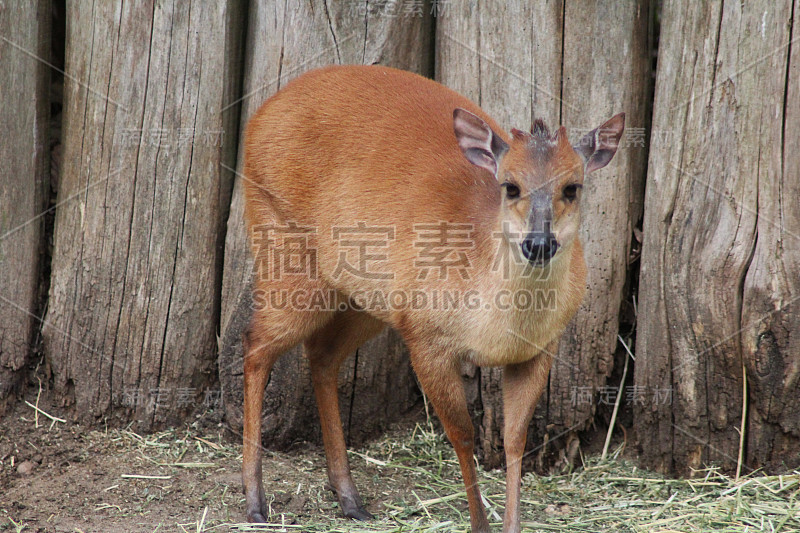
<point x="512" y="190"/>
<point x="570" y="191"/>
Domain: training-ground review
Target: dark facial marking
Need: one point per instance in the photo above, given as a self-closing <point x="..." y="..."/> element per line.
<point x="540" y="217"/>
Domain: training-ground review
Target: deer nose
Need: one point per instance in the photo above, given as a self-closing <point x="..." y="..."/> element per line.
<point x="539" y="248"/>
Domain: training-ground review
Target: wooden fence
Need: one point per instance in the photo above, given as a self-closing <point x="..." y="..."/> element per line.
<point x="149" y="269"/>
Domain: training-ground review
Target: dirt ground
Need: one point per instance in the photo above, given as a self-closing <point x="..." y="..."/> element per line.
<point x="62" y="477"/>
<point x="59" y="476"/>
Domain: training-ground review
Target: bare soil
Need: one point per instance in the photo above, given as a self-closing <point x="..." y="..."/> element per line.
<point x="60" y="476"/>
<point x="65" y="477"/>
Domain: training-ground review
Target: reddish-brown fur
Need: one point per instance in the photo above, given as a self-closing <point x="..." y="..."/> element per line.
<point x="341" y="146"/>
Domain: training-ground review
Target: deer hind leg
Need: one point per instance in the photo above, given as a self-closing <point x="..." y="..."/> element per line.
<point x="326" y="350"/>
<point x="270" y="334"/>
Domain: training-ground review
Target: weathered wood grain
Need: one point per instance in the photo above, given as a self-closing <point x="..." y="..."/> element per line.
<point x="770" y="345"/>
<point x="134" y="300"/>
<point x="575" y="64"/>
<point x="283" y="41"/>
<point x="606" y="71"/>
<point x="719" y="266"/>
<point x="24" y="153"/>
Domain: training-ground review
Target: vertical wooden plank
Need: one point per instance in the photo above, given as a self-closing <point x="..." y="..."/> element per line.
<point x="575" y="64"/>
<point x="685" y="60"/>
<point x="772" y="286"/>
<point x="606" y="71"/>
<point x="716" y="280"/>
<point x="25" y="78"/>
<point x="133" y="304"/>
<point x="283" y="41"/>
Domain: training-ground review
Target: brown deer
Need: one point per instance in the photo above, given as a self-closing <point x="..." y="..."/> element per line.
<point x="373" y="149"/>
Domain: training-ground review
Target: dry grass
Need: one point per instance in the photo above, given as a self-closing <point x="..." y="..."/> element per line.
<point x="609" y="495"/>
<point x="411" y="480"/>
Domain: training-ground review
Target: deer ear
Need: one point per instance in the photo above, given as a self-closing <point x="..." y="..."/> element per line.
<point x="598" y="147"/>
<point x="480" y="145"/>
